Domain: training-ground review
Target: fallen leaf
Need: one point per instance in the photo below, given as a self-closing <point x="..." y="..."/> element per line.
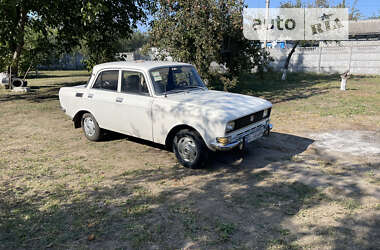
<point x="91" y="237"/>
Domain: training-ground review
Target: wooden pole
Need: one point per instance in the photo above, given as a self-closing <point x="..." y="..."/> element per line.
<point x="27" y="72"/>
<point x="10" y="77"/>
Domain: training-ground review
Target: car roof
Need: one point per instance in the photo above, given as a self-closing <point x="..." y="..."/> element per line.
<point x="145" y="65"/>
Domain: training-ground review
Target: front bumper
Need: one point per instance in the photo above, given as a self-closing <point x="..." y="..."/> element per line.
<point x="221" y="147"/>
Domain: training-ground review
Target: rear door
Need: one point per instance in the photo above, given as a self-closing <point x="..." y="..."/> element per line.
<point x="102" y="99"/>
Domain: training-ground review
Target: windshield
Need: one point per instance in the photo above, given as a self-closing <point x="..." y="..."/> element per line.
<point x="176" y="79"/>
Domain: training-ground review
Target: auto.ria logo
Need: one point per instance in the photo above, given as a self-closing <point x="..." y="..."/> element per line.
<point x="296" y="24"/>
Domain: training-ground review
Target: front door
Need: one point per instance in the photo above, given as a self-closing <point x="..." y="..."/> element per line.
<point x="134" y="105"/>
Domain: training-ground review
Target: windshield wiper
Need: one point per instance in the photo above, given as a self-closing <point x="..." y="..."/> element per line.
<point x="194" y="87"/>
<point x="182" y="89"/>
<point x="175" y="91"/>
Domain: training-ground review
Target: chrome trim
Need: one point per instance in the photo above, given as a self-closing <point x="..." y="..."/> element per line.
<point x="89" y="126"/>
<point x="252" y="115"/>
<point x="268" y="129"/>
<point x="239" y="138"/>
<point x="241" y="133"/>
<point x="62" y="108"/>
<point x="247" y="128"/>
<point x="221" y="147"/>
<point x="187" y="149"/>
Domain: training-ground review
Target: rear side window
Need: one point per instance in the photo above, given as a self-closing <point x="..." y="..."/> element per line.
<point x="133" y="83"/>
<point x="107" y="80"/>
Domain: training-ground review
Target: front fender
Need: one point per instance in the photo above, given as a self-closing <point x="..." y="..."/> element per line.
<point x="167" y="115"/>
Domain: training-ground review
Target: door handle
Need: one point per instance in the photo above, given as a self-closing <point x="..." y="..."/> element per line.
<point x="90" y="95"/>
<point x="119" y="99"/>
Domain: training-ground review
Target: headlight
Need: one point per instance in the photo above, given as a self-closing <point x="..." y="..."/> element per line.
<point x="265" y="114"/>
<point x="230" y="126"/>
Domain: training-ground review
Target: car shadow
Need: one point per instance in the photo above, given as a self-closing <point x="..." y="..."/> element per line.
<point x="114" y="136"/>
<point x="273" y="148"/>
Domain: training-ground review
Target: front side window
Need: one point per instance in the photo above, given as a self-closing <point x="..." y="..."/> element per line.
<point x="133" y="83"/>
<point x="175" y="79"/>
<point x="107" y="80"/>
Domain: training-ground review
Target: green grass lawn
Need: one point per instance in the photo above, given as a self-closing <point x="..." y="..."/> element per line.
<point x="315" y="101"/>
<point x="59" y="191"/>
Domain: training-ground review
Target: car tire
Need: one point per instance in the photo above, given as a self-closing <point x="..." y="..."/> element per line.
<point x="190" y="149"/>
<point x="90" y="127"/>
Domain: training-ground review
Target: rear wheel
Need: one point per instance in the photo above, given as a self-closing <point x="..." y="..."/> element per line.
<point x="190" y="149"/>
<point x="90" y="126"/>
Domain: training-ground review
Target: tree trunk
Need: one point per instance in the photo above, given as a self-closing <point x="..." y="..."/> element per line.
<point x="343" y="84"/>
<point x="286" y="66"/>
<point x="20" y="41"/>
<point x="16" y="58"/>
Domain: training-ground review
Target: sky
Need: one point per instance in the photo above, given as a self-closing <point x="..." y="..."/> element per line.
<point x="366" y="7"/>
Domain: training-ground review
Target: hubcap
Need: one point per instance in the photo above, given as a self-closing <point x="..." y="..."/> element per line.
<point x="187" y="149"/>
<point x="89" y="126"/>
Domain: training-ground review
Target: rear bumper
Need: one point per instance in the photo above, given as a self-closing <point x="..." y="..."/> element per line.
<point x="62" y="108"/>
<point x="220" y="147"/>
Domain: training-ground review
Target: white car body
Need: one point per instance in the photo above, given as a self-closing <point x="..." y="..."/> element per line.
<point x="154" y="117"/>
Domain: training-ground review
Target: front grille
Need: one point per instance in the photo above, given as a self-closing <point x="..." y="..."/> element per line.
<point x="247" y="120"/>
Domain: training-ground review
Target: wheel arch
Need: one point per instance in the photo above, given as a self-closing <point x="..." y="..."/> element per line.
<point x="78" y="117"/>
<point x="175" y="130"/>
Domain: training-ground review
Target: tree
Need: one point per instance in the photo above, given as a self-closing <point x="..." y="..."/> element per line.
<point x="13" y="21"/>
<point x="202" y="31"/>
<point x="136" y="41"/>
<point x="354" y="13"/>
<point x="38" y="49"/>
<point x="23" y="19"/>
<point x="107" y="21"/>
<point x="289" y="4"/>
<point x="95" y="23"/>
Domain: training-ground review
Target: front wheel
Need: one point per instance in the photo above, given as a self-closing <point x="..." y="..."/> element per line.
<point x="190" y="149"/>
<point x="91" y="128"/>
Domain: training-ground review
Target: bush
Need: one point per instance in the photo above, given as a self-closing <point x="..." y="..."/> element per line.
<point x="218" y="81"/>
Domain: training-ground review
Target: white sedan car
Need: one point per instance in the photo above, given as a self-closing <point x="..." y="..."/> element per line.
<point x="166" y="103"/>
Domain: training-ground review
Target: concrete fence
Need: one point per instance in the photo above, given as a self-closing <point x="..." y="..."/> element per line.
<point x="357" y="59"/>
<point x="66" y="62"/>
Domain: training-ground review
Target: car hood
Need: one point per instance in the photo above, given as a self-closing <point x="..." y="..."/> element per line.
<point x="229" y="105"/>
